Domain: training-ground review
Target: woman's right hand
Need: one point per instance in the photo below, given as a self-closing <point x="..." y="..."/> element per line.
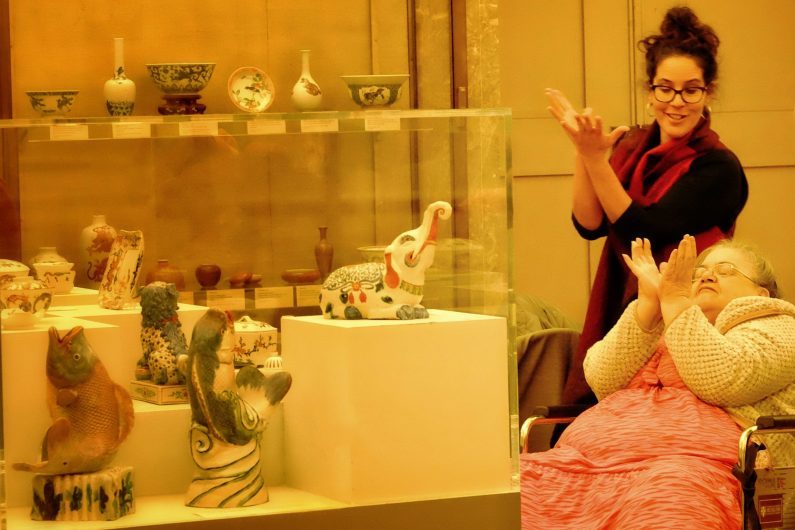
<point x="562" y="109"/>
<point x="585" y="129"/>
<point x="642" y="265"/>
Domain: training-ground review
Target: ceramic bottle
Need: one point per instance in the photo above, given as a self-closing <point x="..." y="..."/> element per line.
<point x="324" y="253"/>
<point x="306" y="93"/>
<point x="96" y="241"/>
<point x="119" y="90"/>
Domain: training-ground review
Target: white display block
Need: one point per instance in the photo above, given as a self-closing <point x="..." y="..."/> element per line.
<point x="385" y="410"/>
<point x="77" y="296"/>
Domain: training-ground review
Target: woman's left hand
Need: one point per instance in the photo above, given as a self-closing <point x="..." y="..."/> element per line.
<point x="677" y="279"/>
<point x="591" y="140"/>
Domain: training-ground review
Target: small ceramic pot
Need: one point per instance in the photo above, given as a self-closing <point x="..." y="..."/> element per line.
<point x="208" y="275"/>
<point x="164" y="272"/>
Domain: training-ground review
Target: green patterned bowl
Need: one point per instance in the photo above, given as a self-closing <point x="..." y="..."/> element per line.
<point x="181" y="78"/>
<point x="375" y="90"/>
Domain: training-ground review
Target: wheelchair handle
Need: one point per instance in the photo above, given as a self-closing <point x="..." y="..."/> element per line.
<point x="776" y="422"/>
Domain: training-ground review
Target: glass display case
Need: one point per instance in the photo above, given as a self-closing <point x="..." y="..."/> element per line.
<point x="383" y="416"/>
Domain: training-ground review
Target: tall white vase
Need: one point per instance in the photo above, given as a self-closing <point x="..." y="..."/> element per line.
<point x="119" y="91"/>
<point x="306" y="93"/>
<point x="96" y="241"/>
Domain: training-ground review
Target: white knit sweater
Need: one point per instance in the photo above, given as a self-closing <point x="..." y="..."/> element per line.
<point x="745" y="363"/>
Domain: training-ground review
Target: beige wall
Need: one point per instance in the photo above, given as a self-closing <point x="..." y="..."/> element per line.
<point x="584" y="47"/>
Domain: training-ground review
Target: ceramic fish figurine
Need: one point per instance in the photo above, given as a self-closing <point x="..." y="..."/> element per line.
<point x="91" y="414"/>
<point x="229" y="413"/>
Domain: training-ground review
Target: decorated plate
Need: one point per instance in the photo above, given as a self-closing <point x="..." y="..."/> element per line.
<point x="250" y="89"/>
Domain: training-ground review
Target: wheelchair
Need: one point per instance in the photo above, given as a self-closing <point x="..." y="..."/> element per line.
<point x="768" y="495"/>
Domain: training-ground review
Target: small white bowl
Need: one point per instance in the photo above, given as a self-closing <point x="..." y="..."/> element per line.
<point x="52" y="102"/>
<point x="375" y="90"/>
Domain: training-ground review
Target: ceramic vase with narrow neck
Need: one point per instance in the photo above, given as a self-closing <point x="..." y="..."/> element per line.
<point x="119" y="91"/>
<point x="306" y="93"/>
<point x="96" y="241"/>
<point x="324" y="253"/>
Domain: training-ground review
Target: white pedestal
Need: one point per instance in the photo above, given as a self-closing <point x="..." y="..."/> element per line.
<point x="383" y="411"/>
<point x="77" y="296"/>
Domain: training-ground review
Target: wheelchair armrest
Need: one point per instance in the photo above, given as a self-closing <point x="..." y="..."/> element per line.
<point x="560" y="411"/>
<point x="548" y="414"/>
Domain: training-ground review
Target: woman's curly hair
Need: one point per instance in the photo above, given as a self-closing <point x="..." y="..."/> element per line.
<point x="682" y="33"/>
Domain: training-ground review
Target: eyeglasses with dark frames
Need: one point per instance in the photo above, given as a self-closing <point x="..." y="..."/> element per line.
<point x="722" y="269"/>
<point x="666" y="94"/>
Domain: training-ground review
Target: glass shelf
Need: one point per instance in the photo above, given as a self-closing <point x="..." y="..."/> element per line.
<point x="130" y="127"/>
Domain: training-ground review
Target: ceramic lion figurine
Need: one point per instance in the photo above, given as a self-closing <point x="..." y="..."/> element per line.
<point x="389" y="290"/>
<point x="162" y="339"/>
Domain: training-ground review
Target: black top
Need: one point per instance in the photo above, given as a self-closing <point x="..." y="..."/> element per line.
<point x="711" y="193"/>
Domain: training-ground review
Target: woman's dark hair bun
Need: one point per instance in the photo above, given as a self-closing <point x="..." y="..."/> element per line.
<point x="681" y="24"/>
<point x="682" y="33"/>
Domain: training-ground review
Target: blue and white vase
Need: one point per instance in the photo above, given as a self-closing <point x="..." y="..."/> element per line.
<point x="119" y="91"/>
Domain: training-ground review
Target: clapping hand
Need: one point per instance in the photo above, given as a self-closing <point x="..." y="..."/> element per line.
<point x="645" y="269"/>
<point x="585" y="129"/>
<point x="677" y="278"/>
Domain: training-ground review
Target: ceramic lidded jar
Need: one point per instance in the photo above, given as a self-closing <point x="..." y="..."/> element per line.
<point x="119" y="90"/>
<point x="47" y="255"/>
<point x="22" y="298"/>
<point x="306" y="93"/>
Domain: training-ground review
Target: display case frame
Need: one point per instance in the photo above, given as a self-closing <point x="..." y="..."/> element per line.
<point x="395" y="161"/>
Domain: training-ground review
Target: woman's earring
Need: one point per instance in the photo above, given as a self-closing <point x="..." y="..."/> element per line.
<point x="649" y="112"/>
<point x="708" y="112"/>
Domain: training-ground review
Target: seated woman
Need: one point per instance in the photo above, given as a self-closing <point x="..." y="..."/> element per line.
<point x="706" y="345"/>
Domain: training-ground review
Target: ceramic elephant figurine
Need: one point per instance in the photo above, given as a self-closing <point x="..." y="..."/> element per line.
<point x="389" y="290"/>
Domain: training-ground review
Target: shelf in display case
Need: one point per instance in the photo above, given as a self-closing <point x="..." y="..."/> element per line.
<point x="137" y="127"/>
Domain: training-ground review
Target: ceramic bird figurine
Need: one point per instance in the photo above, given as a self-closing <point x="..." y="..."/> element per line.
<point x="229" y="413"/>
<point x="91" y="414"/>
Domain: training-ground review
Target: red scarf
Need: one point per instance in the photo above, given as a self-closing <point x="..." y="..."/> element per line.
<point x="637" y="160"/>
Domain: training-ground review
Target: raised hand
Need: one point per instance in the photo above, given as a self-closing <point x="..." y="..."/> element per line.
<point x="677" y="279"/>
<point x="642" y="265"/>
<point x="585" y="129"/>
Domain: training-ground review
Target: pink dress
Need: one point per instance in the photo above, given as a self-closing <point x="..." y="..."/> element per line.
<point x="651" y="455"/>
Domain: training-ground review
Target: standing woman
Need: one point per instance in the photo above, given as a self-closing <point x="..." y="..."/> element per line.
<point x="662" y="181"/>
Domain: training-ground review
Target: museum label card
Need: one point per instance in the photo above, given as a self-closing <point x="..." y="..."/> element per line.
<point x="133" y="129"/>
<point x="271" y="297"/>
<point x="320" y="125"/>
<point x="307" y="295"/>
<point x="198" y="128"/>
<point x="266" y="127"/>
<point x="69" y="131"/>
<point x="230" y="299"/>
